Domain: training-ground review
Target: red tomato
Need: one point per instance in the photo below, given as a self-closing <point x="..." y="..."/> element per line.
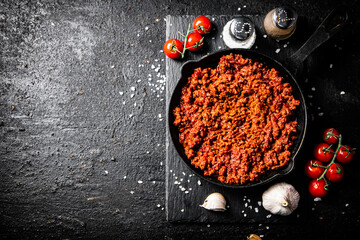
<point x="318" y="188"/>
<point x="173" y="48"/>
<point x="331" y="136"/>
<point x="345" y="154"/>
<point x="314" y="169"/>
<point x="194" y="41"/>
<point x="335" y="172"/>
<point x="202" y="25"/>
<point x="323" y="152"/>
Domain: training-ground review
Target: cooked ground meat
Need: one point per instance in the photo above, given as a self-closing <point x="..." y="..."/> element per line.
<point x="235" y="121"/>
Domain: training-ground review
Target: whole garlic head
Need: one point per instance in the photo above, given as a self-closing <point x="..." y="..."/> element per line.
<point x="215" y="202"/>
<point x="281" y="198"/>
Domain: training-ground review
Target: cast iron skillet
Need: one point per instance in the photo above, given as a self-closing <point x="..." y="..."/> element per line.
<point x="323" y="33"/>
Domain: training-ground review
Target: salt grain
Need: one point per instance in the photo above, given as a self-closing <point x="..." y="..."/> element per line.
<point x="320" y="114"/>
<point x="121" y="93"/>
<point x="132" y="88"/>
<point x="158" y="205"/>
<point x="140" y="182"/>
<point x="277" y="50"/>
<point x="264" y="36"/>
<point x="239" y="9"/>
<point x="182" y="210"/>
<point x="199" y="183"/>
<point x="331" y="65"/>
<point x="132" y="192"/>
<point x="342" y="93"/>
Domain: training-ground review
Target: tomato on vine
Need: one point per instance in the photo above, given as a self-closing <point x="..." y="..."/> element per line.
<point x="194" y="41"/>
<point x="323" y="152"/>
<point x="345" y="154"/>
<point x="173" y="48"/>
<point x="318" y="188"/>
<point x="202" y="25"/>
<point x="335" y="172"/>
<point x="314" y="169"/>
<point x="331" y="136"/>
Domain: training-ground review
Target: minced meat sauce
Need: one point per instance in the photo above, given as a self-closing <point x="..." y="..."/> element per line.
<point x="235" y="121"/>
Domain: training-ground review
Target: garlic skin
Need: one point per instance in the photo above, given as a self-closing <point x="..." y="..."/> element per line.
<point x="215" y="202"/>
<point x="281" y="198"/>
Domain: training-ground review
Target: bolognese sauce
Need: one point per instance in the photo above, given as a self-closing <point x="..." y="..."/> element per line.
<point x="235" y="121"/>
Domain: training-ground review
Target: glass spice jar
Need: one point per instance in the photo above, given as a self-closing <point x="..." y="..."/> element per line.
<point x="280" y="23"/>
<point x="239" y="33"/>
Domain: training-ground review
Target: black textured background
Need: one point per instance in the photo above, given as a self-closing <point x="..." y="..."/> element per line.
<point x="82" y="119"/>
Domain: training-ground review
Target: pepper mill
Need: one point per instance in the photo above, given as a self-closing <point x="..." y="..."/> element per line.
<point x="239" y="33"/>
<point x="280" y="23"/>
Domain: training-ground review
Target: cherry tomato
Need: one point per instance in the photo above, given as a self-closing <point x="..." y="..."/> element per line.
<point x="335" y="172"/>
<point x="173" y="48"/>
<point x="314" y="169"/>
<point x="345" y="154"/>
<point x="331" y="136"/>
<point x="318" y="188"/>
<point x="194" y="41"/>
<point x="323" y="152"/>
<point x="202" y="25"/>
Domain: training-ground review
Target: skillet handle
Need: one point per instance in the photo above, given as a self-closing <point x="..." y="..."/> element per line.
<point x="328" y="28"/>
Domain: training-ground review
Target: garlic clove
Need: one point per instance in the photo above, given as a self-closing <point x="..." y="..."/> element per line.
<point x="281" y="199"/>
<point x="215" y="202"/>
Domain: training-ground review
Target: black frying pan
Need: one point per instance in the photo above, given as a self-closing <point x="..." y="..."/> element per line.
<point x="323" y="33"/>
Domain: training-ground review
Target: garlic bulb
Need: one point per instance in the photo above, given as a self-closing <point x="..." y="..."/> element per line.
<point x="215" y="202"/>
<point x="281" y="198"/>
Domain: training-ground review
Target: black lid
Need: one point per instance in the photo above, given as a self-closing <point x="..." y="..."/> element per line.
<point x="241" y="28"/>
<point x="285" y="17"/>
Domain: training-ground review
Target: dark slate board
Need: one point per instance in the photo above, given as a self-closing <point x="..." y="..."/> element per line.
<point x="184" y="190"/>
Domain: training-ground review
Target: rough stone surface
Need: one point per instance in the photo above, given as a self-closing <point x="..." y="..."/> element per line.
<point x="82" y="140"/>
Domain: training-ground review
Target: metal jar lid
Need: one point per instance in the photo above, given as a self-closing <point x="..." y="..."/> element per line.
<point x="284" y="17"/>
<point x="241" y="28"/>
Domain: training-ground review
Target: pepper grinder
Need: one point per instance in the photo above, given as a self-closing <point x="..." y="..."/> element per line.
<point x="280" y="23"/>
<point x="239" y="33"/>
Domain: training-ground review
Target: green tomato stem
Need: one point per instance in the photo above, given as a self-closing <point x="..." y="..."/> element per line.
<point x="185" y="41"/>
<point x="332" y="160"/>
<point x="189" y="30"/>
